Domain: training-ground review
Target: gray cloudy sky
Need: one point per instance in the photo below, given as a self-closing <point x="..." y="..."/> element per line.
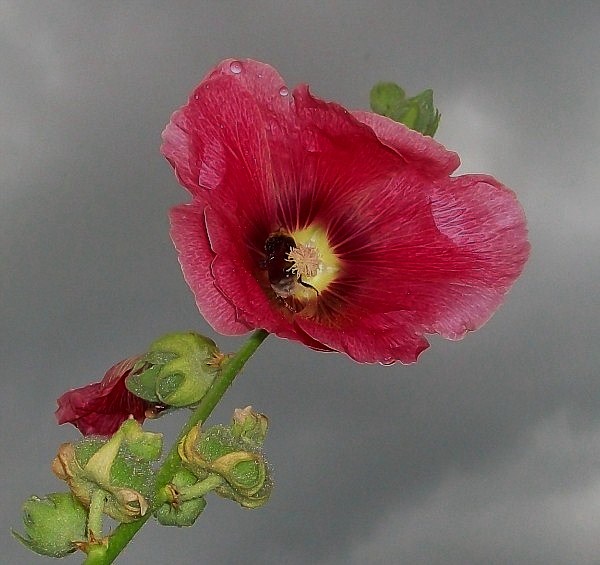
<point x="487" y="450"/>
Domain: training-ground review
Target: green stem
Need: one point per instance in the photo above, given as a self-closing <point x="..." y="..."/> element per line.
<point x="95" y="514"/>
<point x="125" y="532"/>
<point x="200" y="488"/>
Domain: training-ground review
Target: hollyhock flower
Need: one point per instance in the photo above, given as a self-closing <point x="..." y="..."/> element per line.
<point x="100" y="408"/>
<point x="342" y="230"/>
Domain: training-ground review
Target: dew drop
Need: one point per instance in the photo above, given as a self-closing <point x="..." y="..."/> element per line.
<point x="235" y="67"/>
<point x="283" y="91"/>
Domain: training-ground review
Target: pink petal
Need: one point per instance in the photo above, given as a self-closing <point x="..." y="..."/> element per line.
<point x="486" y="222"/>
<point x="220" y="136"/>
<point x="420" y="252"/>
<point x="422" y="151"/>
<point x="237" y="275"/>
<point x="211" y="143"/>
<point x="100" y="408"/>
<point x="188" y="231"/>
<point x="376" y="339"/>
<point x="261" y="80"/>
<point x="445" y="254"/>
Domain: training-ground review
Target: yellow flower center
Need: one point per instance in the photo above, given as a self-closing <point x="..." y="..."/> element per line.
<point x="313" y="261"/>
<point x="306" y="261"/>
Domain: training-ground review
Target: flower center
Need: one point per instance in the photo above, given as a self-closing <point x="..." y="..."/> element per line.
<point x="305" y="261"/>
<point x="300" y="265"/>
<point x="313" y="259"/>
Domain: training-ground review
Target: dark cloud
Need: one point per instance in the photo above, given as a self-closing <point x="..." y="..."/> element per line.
<point x="486" y="451"/>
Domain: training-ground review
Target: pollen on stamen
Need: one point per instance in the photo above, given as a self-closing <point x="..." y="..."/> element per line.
<point x="306" y="261"/>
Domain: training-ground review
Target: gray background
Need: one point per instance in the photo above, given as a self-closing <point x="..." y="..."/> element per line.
<point x="487" y="450"/>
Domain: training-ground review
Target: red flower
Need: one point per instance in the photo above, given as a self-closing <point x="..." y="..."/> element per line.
<point x="100" y="408"/>
<point x="342" y="230"/>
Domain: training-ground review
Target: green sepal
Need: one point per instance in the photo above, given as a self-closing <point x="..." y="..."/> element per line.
<point x="386" y="98"/>
<point x="249" y="426"/>
<point x="418" y="113"/>
<point x="184" y="515"/>
<point x="143" y="384"/>
<point x="146" y="446"/>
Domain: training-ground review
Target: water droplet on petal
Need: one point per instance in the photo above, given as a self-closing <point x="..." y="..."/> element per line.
<point x="283" y="91"/>
<point x="235" y="67"/>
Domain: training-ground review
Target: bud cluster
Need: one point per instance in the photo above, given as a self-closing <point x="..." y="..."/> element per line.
<point x="233" y="454"/>
<point x="116" y="476"/>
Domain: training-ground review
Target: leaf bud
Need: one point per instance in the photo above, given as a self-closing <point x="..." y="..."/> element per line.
<point x="217" y="451"/>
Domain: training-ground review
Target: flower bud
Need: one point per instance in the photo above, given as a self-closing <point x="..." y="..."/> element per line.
<point x="53" y="525"/>
<point x="249" y="426"/>
<point x="179" y="370"/>
<point x="238" y="462"/>
<point x="176" y="512"/>
<point x="123" y="474"/>
<point x="418" y="113"/>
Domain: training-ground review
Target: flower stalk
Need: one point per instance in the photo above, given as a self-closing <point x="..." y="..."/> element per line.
<point x="95" y="513"/>
<point x="200" y="488"/>
<point x="125" y="531"/>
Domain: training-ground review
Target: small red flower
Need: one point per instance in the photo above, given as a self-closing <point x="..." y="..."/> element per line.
<point x="342" y="230"/>
<point x="100" y="408"/>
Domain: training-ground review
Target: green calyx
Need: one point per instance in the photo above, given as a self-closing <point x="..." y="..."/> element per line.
<point x="177" y="370"/>
<point x="54" y="525"/>
<point x="418" y="113"/>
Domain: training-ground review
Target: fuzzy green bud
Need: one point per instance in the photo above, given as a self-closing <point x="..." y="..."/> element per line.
<point x="418" y="113"/>
<point x="125" y="479"/>
<point x="241" y="464"/>
<point x="179" y="369"/>
<point x="53" y="525"/>
<point x="177" y="512"/>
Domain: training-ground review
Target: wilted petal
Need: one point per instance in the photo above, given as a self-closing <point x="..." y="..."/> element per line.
<point x="100" y="408"/>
